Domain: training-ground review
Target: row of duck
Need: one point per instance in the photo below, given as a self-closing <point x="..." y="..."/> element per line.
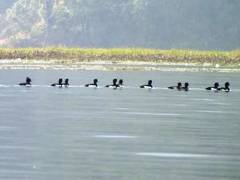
<point x="119" y="84"/>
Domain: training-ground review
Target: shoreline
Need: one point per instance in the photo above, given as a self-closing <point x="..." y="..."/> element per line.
<point x="113" y="66"/>
<point x="135" y="59"/>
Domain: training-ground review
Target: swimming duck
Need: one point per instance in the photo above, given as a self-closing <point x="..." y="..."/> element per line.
<point x="178" y="87"/>
<point x="147" y="86"/>
<point x="94" y="84"/>
<point x="186" y="86"/>
<point x="114" y="85"/>
<point x="66" y="83"/>
<point x="59" y="84"/>
<point x="120" y="83"/>
<point x="27" y="83"/>
<point x="214" y="88"/>
<point x="226" y="88"/>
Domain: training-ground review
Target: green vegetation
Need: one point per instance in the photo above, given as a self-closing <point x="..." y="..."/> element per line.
<point x="118" y="55"/>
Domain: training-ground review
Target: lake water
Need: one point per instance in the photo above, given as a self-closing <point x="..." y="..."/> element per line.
<point x="49" y="133"/>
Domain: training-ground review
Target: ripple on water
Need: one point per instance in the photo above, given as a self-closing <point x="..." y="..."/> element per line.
<point x="213" y="112"/>
<point x="181" y="155"/>
<point x="115" y="136"/>
<point x="153" y="114"/>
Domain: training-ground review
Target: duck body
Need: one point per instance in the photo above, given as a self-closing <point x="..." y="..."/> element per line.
<point x="111" y="86"/>
<point x="120" y="84"/>
<point x="178" y="87"/>
<point x="114" y="85"/>
<point x="214" y="88"/>
<point x="93" y="85"/>
<point x="147" y="86"/>
<point x="27" y="83"/>
<point x="59" y="84"/>
<point x="186" y="87"/>
<point x="226" y="88"/>
<point x="66" y="83"/>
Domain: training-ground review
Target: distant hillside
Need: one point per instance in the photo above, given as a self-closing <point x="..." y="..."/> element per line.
<point x="195" y="24"/>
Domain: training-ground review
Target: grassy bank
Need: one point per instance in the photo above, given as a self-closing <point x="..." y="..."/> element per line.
<point x="144" y="55"/>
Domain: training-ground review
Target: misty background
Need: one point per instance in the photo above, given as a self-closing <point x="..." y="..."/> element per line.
<point x="165" y="24"/>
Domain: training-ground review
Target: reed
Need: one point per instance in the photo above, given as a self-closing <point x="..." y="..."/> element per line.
<point x="135" y="54"/>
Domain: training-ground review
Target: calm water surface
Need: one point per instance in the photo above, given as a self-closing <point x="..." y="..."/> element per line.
<point x="49" y="133"/>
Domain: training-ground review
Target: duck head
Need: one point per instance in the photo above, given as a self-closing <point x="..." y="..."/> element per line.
<point x="60" y="80"/>
<point x="114" y="81"/>
<point x="179" y="85"/>
<point x="216" y="85"/>
<point x="28" y="80"/>
<point x="227" y="84"/>
<point x="150" y="83"/>
<point x="120" y="82"/>
<point x="66" y="81"/>
<point x="95" y="81"/>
